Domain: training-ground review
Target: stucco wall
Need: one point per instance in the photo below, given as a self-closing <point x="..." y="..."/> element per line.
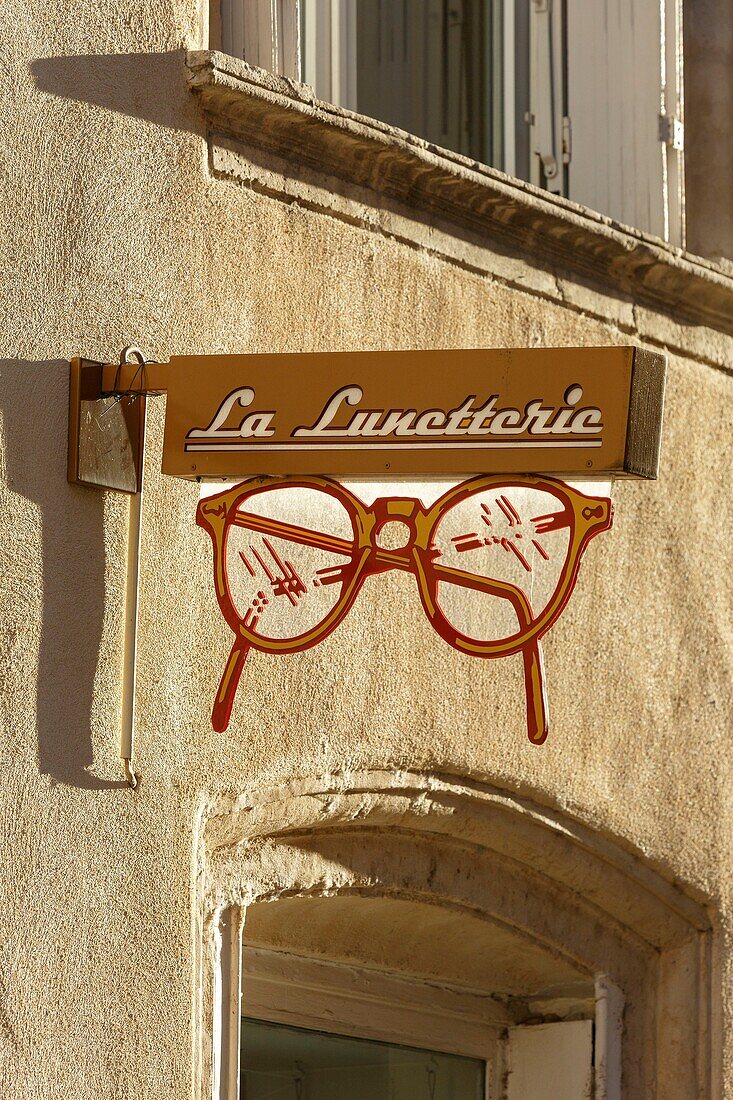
<point x="116" y="232"/>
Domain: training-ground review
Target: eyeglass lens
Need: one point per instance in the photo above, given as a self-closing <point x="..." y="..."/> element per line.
<point x="282" y="587"/>
<point x="289" y="548"/>
<point x="516" y="534"/>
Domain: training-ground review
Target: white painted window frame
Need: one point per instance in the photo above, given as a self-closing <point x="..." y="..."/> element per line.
<point x="265" y="33"/>
<point x="280" y="987"/>
<point x="315" y="41"/>
<point x="549" y="1061"/>
<point x="329" y="56"/>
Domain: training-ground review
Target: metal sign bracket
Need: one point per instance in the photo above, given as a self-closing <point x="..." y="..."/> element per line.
<point x="107" y="421"/>
<point x="107" y="406"/>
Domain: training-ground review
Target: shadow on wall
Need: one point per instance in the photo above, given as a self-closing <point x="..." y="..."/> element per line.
<point x="34" y="408"/>
<point x="150" y="86"/>
<point x="155" y="87"/>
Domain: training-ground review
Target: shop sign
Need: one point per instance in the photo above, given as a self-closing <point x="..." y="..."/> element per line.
<point x="572" y="412"/>
<point x="411" y="413"/>
<point x="494" y="559"/>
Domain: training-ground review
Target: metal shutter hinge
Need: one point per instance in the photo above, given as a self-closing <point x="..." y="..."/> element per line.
<point x="672" y="132"/>
<point x="567" y="140"/>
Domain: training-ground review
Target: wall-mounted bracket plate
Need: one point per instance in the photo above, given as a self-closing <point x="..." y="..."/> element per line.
<point x="106" y="434"/>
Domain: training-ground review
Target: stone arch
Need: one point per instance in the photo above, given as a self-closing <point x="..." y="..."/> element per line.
<point x="490" y="863"/>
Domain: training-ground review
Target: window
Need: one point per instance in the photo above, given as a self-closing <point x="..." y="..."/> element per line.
<point x="582" y="99"/>
<point x="430" y="67"/>
<point x="280" y="1062"/>
<point x="314" y="1029"/>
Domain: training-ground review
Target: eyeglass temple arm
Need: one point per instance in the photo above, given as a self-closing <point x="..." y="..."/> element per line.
<point x="222" y="709"/>
<point x="534" y="678"/>
<point x="536" y="695"/>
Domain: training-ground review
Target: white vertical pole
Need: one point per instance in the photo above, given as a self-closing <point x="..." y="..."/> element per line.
<point x="129" y="643"/>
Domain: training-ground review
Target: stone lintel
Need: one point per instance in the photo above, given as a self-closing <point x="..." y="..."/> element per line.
<point x="284" y="117"/>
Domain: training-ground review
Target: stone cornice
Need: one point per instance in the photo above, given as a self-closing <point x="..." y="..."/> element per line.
<point x="284" y="118"/>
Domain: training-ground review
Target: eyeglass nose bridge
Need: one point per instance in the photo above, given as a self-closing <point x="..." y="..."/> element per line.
<point x="400" y="507"/>
<point x="405" y="510"/>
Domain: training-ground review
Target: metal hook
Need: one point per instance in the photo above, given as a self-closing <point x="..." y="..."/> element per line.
<point x="130" y="350"/>
<point x="134" y="355"/>
<point x="129" y="354"/>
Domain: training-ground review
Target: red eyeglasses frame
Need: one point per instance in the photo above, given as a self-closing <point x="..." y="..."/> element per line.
<point x="585" y="517"/>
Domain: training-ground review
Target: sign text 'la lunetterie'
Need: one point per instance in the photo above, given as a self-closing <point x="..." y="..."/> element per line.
<point x="342" y="422"/>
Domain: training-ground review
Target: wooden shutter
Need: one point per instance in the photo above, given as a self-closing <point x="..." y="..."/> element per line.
<point x="547" y="167"/>
<point x="550" y="1061"/>
<point x="623" y="75"/>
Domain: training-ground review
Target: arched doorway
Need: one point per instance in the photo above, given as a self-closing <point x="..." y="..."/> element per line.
<point x="523" y="918"/>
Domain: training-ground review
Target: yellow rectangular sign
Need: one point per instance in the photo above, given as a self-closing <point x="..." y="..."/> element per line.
<point x="565" y="411"/>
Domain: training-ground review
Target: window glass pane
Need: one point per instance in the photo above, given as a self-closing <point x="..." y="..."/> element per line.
<point x="519" y="107"/>
<point x="288" y="1063"/>
<point x="434" y="68"/>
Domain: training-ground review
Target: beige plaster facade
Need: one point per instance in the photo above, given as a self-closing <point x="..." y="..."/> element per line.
<point x="381" y="764"/>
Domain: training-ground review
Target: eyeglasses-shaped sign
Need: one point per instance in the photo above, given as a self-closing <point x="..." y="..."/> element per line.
<point x="494" y="559"/>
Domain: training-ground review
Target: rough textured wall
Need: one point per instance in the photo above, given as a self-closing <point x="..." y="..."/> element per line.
<point x="115" y="232"/>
